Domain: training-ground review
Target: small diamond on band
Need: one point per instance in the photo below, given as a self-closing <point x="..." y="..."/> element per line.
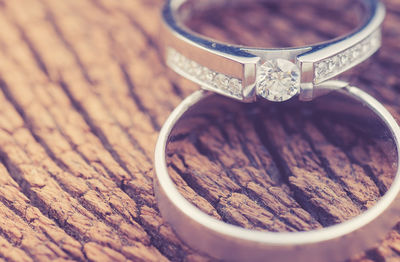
<point x="339" y="63"/>
<point x="204" y="76"/>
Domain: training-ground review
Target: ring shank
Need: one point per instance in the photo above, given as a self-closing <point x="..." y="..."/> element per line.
<point x="232" y="243"/>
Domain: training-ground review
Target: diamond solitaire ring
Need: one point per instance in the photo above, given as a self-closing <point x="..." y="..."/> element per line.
<point x="233" y="243"/>
<point x="243" y="73"/>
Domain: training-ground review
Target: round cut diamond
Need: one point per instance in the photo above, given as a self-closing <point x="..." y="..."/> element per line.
<point x="321" y="69"/>
<point x="278" y="80"/>
<point x="221" y="81"/>
<point x="235" y="87"/>
<point x="344" y="59"/>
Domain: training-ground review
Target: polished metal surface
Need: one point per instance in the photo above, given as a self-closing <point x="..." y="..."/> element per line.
<point x="223" y="68"/>
<point x="233" y="243"/>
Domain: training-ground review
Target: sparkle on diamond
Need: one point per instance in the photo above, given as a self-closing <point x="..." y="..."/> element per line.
<point x="278" y="80"/>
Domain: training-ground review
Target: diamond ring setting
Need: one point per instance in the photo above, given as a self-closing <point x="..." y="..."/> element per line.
<point x="245" y="73"/>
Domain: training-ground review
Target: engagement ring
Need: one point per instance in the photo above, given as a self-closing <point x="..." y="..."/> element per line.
<point x="243" y="73"/>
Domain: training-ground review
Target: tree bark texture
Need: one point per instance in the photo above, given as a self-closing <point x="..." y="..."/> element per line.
<point x="83" y="94"/>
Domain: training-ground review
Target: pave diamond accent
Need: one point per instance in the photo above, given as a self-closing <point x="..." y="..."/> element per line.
<point x="204" y="76"/>
<point x="350" y="57"/>
<point x="278" y="80"/>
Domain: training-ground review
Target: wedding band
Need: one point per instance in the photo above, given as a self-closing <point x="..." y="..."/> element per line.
<point x="232" y="243"/>
<point x="244" y="73"/>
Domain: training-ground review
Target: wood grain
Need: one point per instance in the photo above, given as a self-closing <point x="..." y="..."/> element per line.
<point x="83" y="93"/>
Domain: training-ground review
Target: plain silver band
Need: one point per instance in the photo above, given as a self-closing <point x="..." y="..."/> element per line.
<point x="232" y="243"/>
<point x="242" y="63"/>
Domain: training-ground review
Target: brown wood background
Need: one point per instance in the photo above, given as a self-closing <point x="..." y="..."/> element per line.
<point x="83" y="93"/>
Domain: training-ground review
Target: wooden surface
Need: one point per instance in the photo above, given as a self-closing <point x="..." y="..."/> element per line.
<point x="83" y="93"/>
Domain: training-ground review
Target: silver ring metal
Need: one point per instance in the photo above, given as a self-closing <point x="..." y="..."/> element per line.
<point x="233" y="243"/>
<point x="243" y="73"/>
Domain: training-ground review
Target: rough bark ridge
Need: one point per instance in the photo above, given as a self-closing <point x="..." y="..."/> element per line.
<point x="83" y="93"/>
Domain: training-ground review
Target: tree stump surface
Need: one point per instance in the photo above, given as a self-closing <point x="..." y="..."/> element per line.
<point x="83" y="94"/>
